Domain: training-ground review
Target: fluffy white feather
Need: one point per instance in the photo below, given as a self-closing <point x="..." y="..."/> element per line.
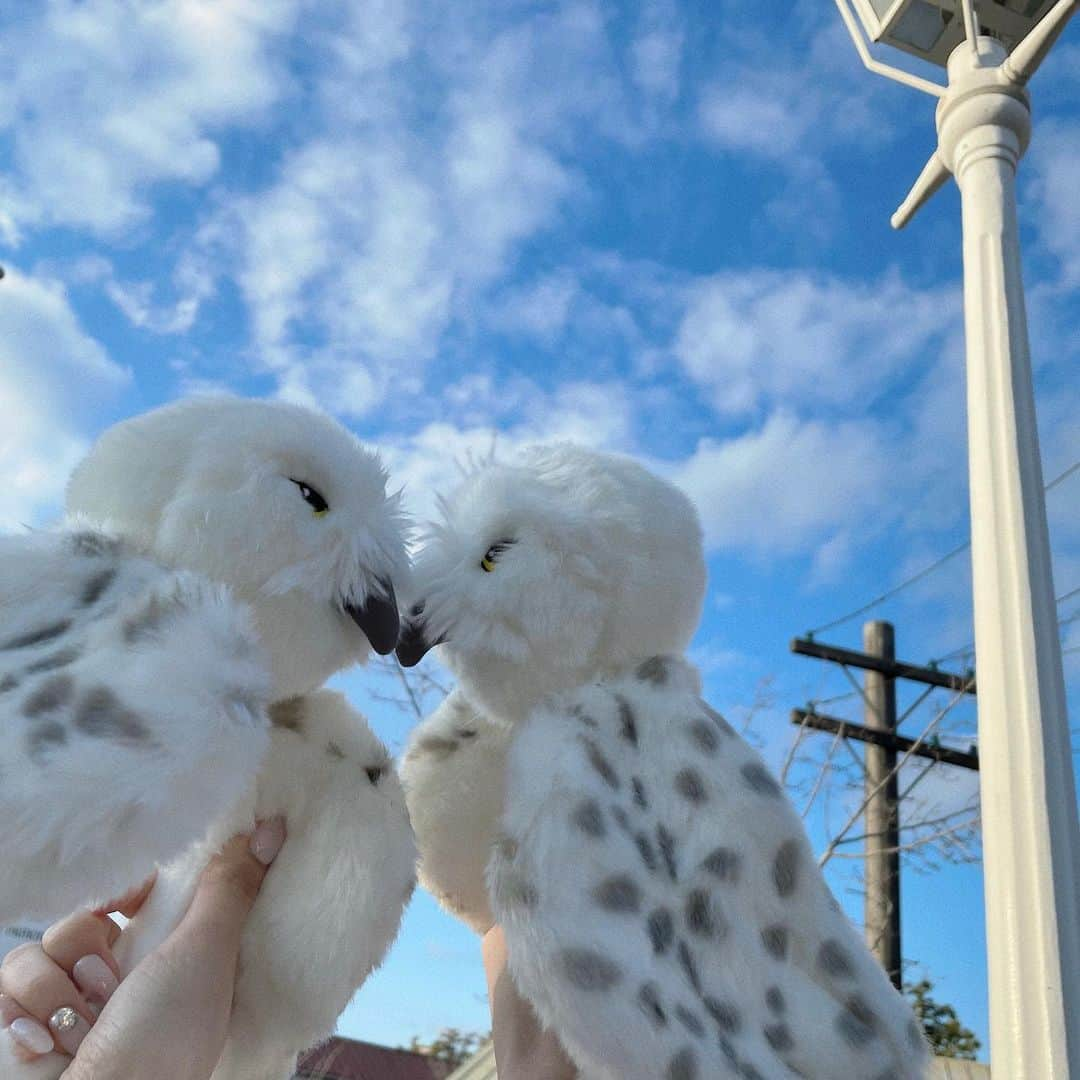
<point x="662" y="908"/>
<point x="453" y="772"/>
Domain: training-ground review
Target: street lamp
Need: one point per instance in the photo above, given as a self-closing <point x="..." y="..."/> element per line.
<point x="932" y="29"/>
<point x="1031" y="835"/>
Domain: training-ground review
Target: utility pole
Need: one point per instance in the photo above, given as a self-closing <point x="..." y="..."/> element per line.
<point x="882" y="872"/>
<point x="882" y="781"/>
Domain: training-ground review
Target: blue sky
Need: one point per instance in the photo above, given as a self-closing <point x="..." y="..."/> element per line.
<point x="654" y="227"/>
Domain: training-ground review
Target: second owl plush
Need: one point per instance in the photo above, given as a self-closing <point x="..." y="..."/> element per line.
<point x="662" y="908"/>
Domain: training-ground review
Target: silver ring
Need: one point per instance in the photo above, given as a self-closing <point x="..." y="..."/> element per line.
<point x="63" y="1019"/>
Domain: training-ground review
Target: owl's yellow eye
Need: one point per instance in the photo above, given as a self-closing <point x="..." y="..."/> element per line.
<point x="320" y="507"/>
<point x="491" y="556"/>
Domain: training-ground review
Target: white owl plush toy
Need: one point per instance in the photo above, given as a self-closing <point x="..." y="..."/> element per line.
<point x="223" y="554"/>
<point x="662" y="908"/>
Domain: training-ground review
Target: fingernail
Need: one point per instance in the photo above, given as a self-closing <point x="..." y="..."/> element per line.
<point x="93" y="978"/>
<point x="267" y="839"/>
<point x="68" y="1028"/>
<point x="30" y="1035"/>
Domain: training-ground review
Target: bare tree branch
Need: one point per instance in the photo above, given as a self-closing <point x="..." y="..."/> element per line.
<point x="837" y="839"/>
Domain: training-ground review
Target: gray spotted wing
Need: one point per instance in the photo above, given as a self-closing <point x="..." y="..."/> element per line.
<point x="662" y="906"/>
<point x="128" y="695"/>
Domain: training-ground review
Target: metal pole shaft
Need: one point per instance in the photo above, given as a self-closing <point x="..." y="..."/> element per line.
<point x="882" y="905"/>
<point x="1031" y="836"/>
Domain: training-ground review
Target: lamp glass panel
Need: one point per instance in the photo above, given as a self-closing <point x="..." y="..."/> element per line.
<point x="882" y="7"/>
<point x="1026" y="8"/>
<point x="921" y="26"/>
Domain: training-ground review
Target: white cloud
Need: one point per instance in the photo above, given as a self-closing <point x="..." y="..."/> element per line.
<point x="140" y="301"/>
<point x="104" y="98"/>
<point x="781" y="487"/>
<point x="539" y="309"/>
<point x="51" y="373"/>
<point x="787" y="107"/>
<point x="656" y="51"/>
<point x="831" y="560"/>
<point x="758" y="336"/>
<point x="1055" y="166"/>
<point x="750" y="118"/>
<point x="369" y="243"/>
<point x="340" y="262"/>
<point x="792" y="100"/>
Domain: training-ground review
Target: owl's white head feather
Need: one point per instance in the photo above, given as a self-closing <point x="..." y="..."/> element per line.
<point x="280" y="503"/>
<point x="548" y="572"/>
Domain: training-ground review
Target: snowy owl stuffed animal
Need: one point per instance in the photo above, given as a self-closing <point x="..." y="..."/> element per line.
<point x="662" y="908"/>
<point x="205" y="573"/>
<point x="290" y="511"/>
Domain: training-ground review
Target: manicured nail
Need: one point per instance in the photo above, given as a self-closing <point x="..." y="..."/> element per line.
<point x="267" y="839"/>
<point x="93" y="978"/>
<point x="30" y="1035"/>
<point x="68" y="1028"/>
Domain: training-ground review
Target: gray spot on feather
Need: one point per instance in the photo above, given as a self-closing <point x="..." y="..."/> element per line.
<point x="38" y="637"/>
<point x="589" y="818"/>
<point x="96" y="587"/>
<point x="44" y="736"/>
<point x="588" y="970"/>
<point x="101" y="715"/>
<point x="760" y="779"/>
<point x="655" y="670"/>
<point x="288" y="714"/>
<point x="775" y="940"/>
<point x="786" y="868"/>
<point x="618" y="893"/>
<point x="52" y="694"/>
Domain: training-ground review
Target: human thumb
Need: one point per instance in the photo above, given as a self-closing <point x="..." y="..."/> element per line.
<point x="232" y="878"/>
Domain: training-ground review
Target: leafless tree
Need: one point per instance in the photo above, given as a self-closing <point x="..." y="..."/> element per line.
<point x="939" y="804"/>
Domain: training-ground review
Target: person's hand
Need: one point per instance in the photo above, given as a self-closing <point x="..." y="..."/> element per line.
<point x="523" y="1049"/>
<point x="169" y="1017"/>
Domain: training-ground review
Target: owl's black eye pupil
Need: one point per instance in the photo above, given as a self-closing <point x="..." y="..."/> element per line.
<point x="312" y="497"/>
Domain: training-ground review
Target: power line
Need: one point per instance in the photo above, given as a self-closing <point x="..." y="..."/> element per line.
<point x="969" y="648"/>
<point x="1063" y="476"/>
<point x="926" y="571"/>
<point x="831" y="700"/>
<point x="869" y="605"/>
<point x="965" y="650"/>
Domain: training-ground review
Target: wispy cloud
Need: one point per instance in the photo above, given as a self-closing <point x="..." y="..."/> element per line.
<point x="94" y="123"/>
<point x="1055" y="173"/>
<point x="52" y="374"/>
<point x="778" y="488"/>
<point x="757" y="336"/>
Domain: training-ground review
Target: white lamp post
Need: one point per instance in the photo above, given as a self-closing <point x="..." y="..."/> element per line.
<point x="1031" y="836"/>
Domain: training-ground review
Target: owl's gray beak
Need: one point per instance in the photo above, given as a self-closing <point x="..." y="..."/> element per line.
<point x="413" y="642"/>
<point x="377" y="616"/>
